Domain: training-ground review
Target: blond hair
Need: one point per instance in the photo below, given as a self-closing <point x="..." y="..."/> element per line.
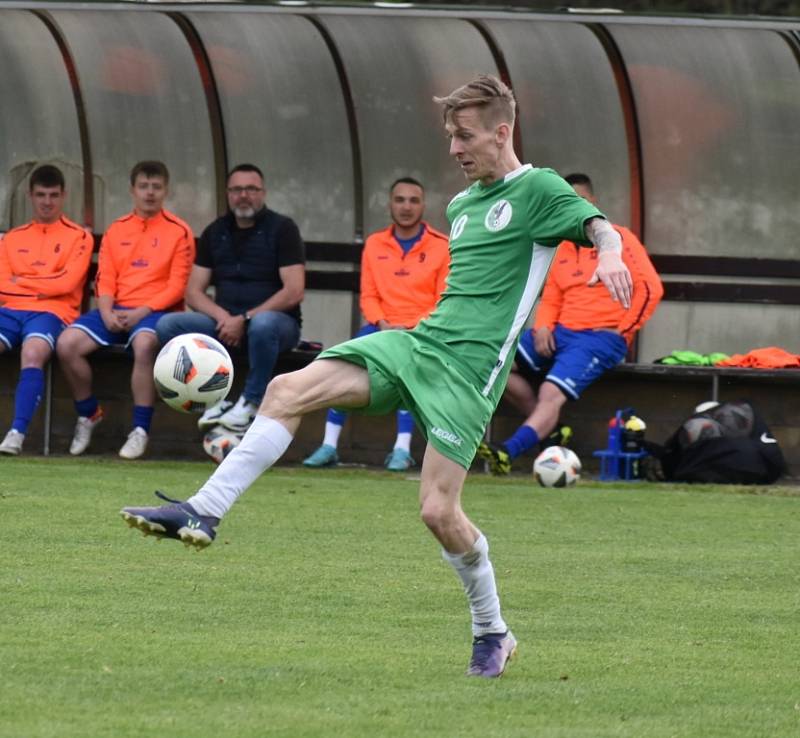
<point x="494" y="99"/>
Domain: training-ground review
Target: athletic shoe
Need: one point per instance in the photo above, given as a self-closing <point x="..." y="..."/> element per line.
<point x="491" y="653"/>
<point x="211" y="416"/>
<point x="83" y="432"/>
<point x="177" y="520"/>
<point x="12" y="443"/>
<point x="136" y="444"/>
<point x="399" y="460"/>
<point x="240" y="416"/>
<point x="561" y="436"/>
<point x="498" y="458"/>
<point x="325" y="455"/>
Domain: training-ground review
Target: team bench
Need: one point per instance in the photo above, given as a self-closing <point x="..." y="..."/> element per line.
<point x="663" y="395"/>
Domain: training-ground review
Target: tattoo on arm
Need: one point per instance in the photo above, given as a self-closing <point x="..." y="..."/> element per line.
<point x="603" y="236"/>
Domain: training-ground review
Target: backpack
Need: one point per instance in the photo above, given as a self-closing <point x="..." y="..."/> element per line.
<point x="726" y="444"/>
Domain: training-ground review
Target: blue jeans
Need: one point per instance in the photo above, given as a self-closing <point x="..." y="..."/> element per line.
<point x="268" y="334"/>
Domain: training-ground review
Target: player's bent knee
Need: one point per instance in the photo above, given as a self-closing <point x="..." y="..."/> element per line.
<point x="67" y="344"/>
<point x="551" y="394"/>
<point x="280" y="399"/>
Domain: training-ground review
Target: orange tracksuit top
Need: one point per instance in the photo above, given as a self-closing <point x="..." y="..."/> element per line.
<point x="403" y="288"/>
<point x="43" y="267"/>
<point x="568" y="300"/>
<point x="146" y="261"/>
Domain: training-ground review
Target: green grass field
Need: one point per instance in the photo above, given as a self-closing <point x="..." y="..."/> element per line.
<point x="325" y="609"/>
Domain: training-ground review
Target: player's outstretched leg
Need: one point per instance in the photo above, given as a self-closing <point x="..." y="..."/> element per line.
<point x="177" y="519"/>
<point x="289" y="396"/>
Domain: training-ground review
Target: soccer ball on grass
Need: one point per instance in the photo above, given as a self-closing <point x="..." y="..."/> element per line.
<point x="557" y="466"/>
<point x="219" y="442"/>
<point x="192" y="372"/>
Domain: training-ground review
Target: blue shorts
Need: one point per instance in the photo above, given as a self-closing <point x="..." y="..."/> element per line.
<point x="92" y="324"/>
<point x="366" y="329"/>
<point x="579" y="359"/>
<point x="16" y="326"/>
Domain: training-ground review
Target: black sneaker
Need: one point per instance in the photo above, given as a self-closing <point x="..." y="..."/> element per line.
<point x="561" y="436"/>
<point x="498" y="458"/>
<point x="177" y="520"/>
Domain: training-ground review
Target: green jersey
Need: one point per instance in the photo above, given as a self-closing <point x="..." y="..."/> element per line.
<point x="502" y="240"/>
<point x="451" y="369"/>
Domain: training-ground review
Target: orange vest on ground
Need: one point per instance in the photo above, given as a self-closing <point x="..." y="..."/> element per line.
<point x="403" y="288"/>
<point x="568" y="300"/>
<point x="43" y="267"/>
<point x="146" y="261"/>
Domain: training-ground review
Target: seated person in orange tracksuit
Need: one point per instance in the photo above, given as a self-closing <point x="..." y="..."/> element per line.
<point x="43" y="267"/>
<point x="403" y="271"/>
<point x="144" y="264"/>
<point x="578" y="334"/>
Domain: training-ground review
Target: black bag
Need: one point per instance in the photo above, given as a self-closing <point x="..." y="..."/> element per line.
<point x="726" y="444"/>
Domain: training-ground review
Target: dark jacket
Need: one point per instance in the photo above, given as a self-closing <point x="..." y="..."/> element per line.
<point x="245" y="263"/>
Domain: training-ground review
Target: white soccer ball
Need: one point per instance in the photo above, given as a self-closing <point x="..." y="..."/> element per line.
<point x="193" y="371"/>
<point x="557" y="466"/>
<point x="219" y="442"/>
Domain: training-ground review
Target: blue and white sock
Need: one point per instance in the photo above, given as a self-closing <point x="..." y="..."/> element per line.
<point x="405" y="428"/>
<point x="333" y="427"/>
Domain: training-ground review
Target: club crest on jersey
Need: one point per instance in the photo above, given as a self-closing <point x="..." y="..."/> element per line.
<point x="458" y="227"/>
<point x="499" y="216"/>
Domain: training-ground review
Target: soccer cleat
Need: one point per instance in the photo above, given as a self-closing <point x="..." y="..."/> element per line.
<point x="325" y="455"/>
<point x="561" y="436"/>
<point x="211" y="416"/>
<point x="491" y="653"/>
<point x="177" y="520"/>
<point x="83" y="432"/>
<point x="239" y="417"/>
<point x="12" y="443"/>
<point x="498" y="458"/>
<point x="136" y="444"/>
<point x="399" y="460"/>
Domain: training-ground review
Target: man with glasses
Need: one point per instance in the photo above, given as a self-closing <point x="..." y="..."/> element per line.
<point x="255" y="258"/>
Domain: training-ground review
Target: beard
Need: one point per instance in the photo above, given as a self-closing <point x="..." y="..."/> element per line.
<point x="246" y="212"/>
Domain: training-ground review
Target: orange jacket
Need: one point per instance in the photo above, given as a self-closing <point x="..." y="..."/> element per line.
<point x="402" y="288"/>
<point x="43" y="267"/>
<point x="769" y="357"/>
<point x="568" y="300"/>
<point x="146" y="261"/>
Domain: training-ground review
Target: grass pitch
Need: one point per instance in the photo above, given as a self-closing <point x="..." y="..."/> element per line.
<point x="324" y="609"/>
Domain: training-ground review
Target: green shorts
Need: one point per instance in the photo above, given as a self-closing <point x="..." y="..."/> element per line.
<point x="412" y="371"/>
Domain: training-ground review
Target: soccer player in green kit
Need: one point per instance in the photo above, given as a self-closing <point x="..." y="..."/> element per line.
<point x="449" y="371"/>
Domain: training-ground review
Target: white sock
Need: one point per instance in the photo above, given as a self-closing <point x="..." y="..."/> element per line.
<point x="403" y="441"/>
<point x="264" y="443"/>
<point x="332" y="433"/>
<point x="477" y="575"/>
